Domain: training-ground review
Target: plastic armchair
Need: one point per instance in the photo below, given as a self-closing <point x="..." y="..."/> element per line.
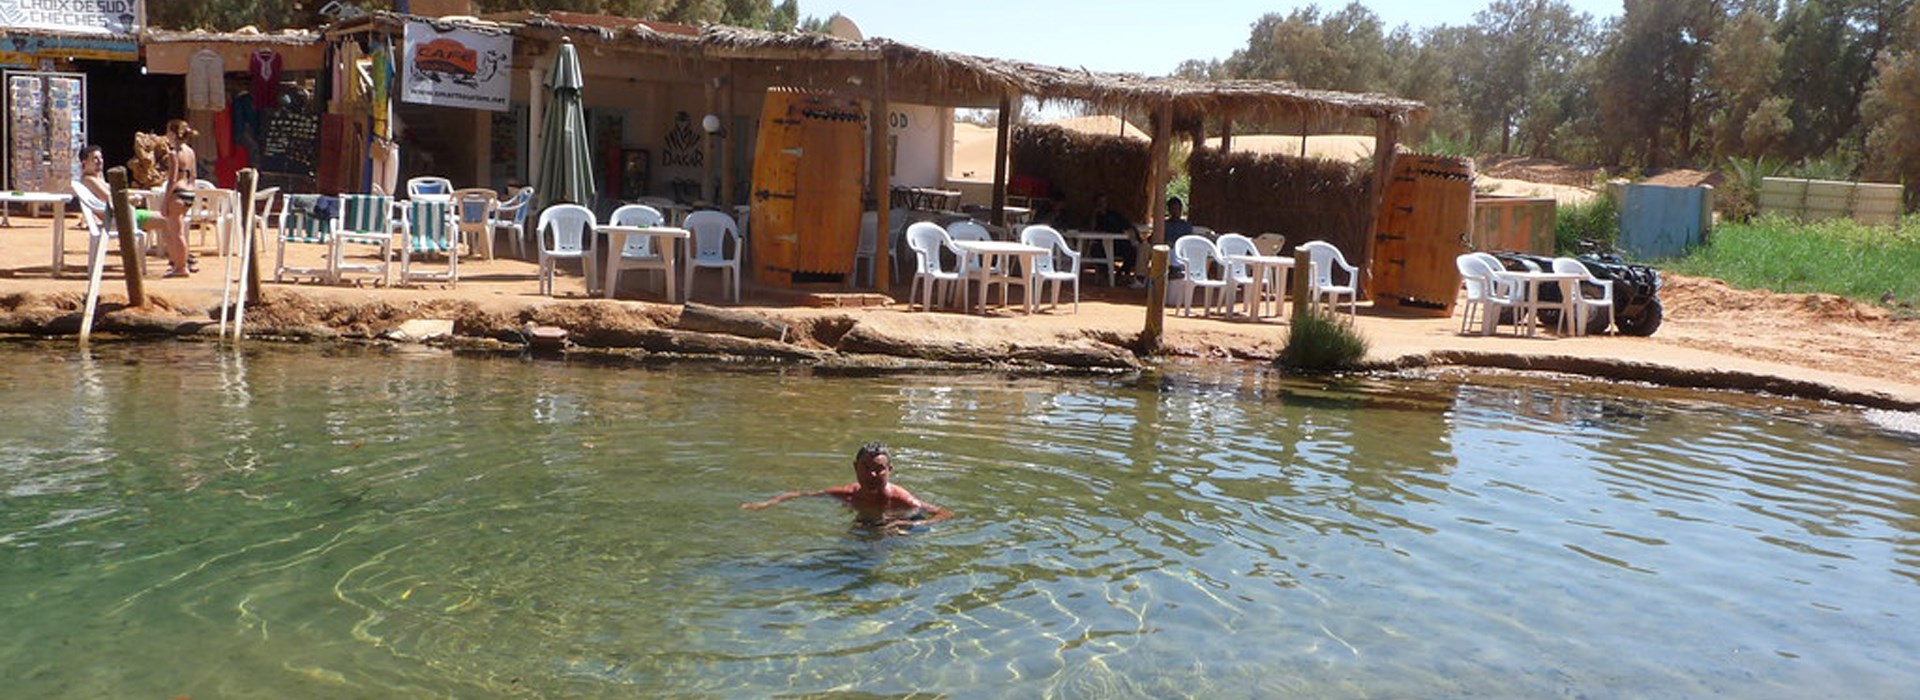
<point x="713" y="231"/>
<point x="1240" y="275"/>
<point x="563" y="231"/>
<point x="638" y="253"/>
<point x="430" y="229"/>
<point x="1486" y="297"/>
<point x="1194" y="254"/>
<point x="264" y="202"/>
<point x="511" y="216"/>
<point x="970" y="230"/>
<point x="428" y="184"/>
<point x="1587" y="304"/>
<point x="1045" y="271"/>
<point x="1323" y="257"/>
<point x="100" y="225"/>
<point x="926" y="239"/>
<point x="867" y="249"/>
<point x="1270" y="243"/>
<point x="476" y="215"/>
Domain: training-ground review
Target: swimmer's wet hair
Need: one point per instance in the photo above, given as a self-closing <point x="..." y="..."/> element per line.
<point x="871" y="449"/>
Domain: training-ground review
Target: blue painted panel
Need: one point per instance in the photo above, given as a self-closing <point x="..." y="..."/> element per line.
<point x="1660" y="222"/>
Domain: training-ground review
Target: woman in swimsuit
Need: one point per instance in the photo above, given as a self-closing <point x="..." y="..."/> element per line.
<point x="180" y="184"/>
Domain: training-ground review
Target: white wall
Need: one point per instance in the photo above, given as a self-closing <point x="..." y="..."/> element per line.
<point x="918" y="150"/>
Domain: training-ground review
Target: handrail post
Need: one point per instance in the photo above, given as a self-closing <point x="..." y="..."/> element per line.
<point x="129" y="251"/>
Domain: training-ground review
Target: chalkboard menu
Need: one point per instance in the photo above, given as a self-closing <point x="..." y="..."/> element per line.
<point x="292" y="142"/>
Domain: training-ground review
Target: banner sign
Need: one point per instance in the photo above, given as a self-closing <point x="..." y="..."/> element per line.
<point x="77" y="16"/>
<point x="456" y="67"/>
<point x="28" y="49"/>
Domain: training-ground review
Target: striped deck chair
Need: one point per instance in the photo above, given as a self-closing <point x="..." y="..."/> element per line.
<point x="430" y="229"/>
<point x="305" y="219"/>
<point x="365" y="219"/>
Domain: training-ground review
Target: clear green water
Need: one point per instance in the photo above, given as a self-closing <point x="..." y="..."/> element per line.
<point x="287" y="523"/>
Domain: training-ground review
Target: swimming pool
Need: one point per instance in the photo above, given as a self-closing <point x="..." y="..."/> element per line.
<point x="290" y="522"/>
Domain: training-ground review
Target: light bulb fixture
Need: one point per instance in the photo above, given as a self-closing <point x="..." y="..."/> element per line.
<point x="711" y="123"/>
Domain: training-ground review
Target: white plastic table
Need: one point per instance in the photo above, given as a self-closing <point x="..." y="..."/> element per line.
<point x="1264" y="268"/>
<point x="1530" y="282"/>
<point x="59" y="202"/>
<point x="666" y="240"/>
<point x="998" y="254"/>
<point x="1109" y="244"/>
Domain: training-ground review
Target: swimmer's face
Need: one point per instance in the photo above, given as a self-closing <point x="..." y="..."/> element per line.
<point x="873" y="471"/>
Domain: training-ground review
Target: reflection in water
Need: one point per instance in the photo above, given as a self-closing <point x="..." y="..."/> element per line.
<point x="401" y="523"/>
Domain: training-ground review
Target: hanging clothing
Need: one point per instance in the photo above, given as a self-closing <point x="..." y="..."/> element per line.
<point x="206" y="81"/>
<point x="382" y="83"/>
<point x="264" y="67"/>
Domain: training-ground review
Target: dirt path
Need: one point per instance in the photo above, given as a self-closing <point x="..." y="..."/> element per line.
<point x="1809" y="345"/>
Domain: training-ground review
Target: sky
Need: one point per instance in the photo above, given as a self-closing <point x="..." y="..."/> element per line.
<point x="1131" y="36"/>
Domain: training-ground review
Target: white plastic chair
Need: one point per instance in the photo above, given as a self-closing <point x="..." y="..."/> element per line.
<point x="1239" y="275"/>
<point x="563" y="231"/>
<point x="476" y="215"/>
<point x="1045" y="271"/>
<point x="712" y="232"/>
<point x="926" y="239"/>
<point x="638" y="253"/>
<point x="428" y="184"/>
<point x="264" y="202"/>
<point x="511" y="216"/>
<point x="298" y="226"/>
<point x="1323" y="257"/>
<point x="100" y="226"/>
<point x="1486" y="296"/>
<point x="1194" y="253"/>
<point x="970" y="230"/>
<point x="1586" y="305"/>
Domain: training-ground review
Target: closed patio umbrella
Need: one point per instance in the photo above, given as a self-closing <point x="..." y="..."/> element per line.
<point x="566" y="161"/>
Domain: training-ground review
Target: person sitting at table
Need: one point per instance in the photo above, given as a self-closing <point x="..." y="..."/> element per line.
<point x="1177" y="223"/>
<point x="91" y="163"/>
<point x="1106" y="219"/>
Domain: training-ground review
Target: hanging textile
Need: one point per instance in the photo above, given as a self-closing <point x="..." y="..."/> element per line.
<point x="264" y="68"/>
<point x="206" y="81"/>
<point x="382" y="81"/>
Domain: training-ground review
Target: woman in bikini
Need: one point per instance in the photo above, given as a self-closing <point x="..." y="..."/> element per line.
<point x="181" y="179"/>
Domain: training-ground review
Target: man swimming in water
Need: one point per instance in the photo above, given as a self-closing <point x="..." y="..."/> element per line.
<point x="871" y="496"/>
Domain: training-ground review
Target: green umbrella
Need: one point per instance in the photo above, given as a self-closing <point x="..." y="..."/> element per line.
<point x="566" y="162"/>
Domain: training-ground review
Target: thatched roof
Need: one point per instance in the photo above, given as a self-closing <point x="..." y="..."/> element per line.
<point x="953" y="79"/>
<point x="248" y="35"/>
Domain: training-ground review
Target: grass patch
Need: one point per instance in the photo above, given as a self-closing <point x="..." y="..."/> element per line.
<point x="1837" y="256"/>
<point x="1320" y="342"/>
<point x="1579" y="228"/>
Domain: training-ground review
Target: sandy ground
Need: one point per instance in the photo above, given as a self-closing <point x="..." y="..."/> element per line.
<point x="1807" y="345"/>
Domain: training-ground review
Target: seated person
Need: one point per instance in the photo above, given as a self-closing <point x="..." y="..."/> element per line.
<point x="92" y="162"/>
<point x="1177" y="223"/>
<point x="1106" y="219"/>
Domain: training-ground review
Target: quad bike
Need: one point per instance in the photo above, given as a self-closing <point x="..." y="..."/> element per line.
<point x="1636" y="289"/>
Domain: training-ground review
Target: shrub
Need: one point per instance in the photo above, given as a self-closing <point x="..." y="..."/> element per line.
<point x="1320" y="342"/>
<point x="1580" y="227"/>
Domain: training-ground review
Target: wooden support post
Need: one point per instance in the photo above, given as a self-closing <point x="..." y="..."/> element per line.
<point x="710" y="145"/>
<point x="881" y="183"/>
<point x="1302" y="267"/>
<point x="1162" y="152"/>
<point x="129" y="251"/>
<point x="248" y="186"/>
<point x="1385" y="143"/>
<point x="1226" y="133"/>
<point x="1002" y="139"/>
<point x="730" y="142"/>
<point x="1156" y="300"/>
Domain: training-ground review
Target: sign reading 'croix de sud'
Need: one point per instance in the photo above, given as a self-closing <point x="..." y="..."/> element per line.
<point x="78" y="16"/>
<point x="456" y="67"/>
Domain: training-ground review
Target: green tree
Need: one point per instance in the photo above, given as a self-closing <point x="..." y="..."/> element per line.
<point x="1344" y="50"/>
<point x="1741" y="71"/>
<point x="1524" y="51"/>
<point x="1649" y="76"/>
<point x="1892" y="106"/>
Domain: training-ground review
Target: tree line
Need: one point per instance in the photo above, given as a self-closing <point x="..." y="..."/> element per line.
<point x="1667" y="83"/>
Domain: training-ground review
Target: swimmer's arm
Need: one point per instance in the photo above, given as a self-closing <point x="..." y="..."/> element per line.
<point x="776" y="500"/>
<point x="934" y="513"/>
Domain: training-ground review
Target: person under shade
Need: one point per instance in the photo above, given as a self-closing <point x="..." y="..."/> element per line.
<point x="872" y="496"/>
